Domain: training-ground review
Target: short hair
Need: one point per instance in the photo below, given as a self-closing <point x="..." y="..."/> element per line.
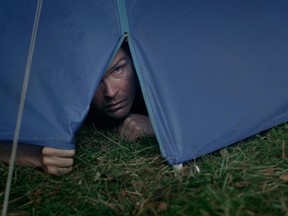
<point x="126" y="48"/>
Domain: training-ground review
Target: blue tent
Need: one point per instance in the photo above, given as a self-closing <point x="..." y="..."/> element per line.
<point x="211" y="72"/>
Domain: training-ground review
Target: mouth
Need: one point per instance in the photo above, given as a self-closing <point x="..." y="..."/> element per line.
<point x="115" y="106"/>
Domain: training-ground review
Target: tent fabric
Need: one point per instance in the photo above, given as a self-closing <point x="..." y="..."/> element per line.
<point x="68" y="61"/>
<point x="215" y="71"/>
<point x="212" y="72"/>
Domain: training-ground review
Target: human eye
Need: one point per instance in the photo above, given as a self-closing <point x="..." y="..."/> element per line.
<point x="118" y="70"/>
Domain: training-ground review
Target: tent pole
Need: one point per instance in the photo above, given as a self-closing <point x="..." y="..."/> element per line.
<point x="21" y="108"/>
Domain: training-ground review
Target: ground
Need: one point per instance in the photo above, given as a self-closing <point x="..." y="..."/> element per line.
<point x="113" y="177"/>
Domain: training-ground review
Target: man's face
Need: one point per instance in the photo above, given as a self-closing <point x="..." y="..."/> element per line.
<point x="116" y="91"/>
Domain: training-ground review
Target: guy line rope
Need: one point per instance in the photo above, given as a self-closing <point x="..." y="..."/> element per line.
<point x="21" y="108"/>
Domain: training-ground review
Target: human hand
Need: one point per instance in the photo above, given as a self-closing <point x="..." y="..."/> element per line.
<point x="57" y="161"/>
<point x="135" y="126"/>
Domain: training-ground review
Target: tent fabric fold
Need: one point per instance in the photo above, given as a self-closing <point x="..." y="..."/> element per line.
<point x="212" y="72"/>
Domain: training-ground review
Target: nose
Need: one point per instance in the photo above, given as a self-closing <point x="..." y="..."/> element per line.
<point x="110" y="90"/>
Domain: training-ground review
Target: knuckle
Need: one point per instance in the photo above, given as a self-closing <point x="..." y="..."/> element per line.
<point x="71" y="153"/>
<point x="137" y="128"/>
<point x="58" y="171"/>
<point x="128" y="120"/>
<point x="70" y="161"/>
<point x="51" y="170"/>
<point x="46" y="150"/>
<point x="45" y="160"/>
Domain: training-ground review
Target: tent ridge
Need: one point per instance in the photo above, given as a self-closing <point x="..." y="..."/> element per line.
<point x="123" y="17"/>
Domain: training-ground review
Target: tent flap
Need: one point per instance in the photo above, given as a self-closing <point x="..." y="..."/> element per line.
<point x="212" y="73"/>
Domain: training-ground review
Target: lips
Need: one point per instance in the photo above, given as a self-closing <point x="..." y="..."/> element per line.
<point x="115" y="106"/>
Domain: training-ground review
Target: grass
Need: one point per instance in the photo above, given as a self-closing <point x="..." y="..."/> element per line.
<point x="113" y="177"/>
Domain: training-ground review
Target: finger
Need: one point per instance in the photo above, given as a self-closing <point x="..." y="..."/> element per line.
<point x="132" y="128"/>
<point x="58" y="152"/>
<point x="135" y="134"/>
<point x="126" y="128"/>
<point x="57" y="161"/>
<point x="57" y="171"/>
<point x="132" y="137"/>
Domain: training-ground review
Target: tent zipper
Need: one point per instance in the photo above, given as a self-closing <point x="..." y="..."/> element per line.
<point x="124" y="25"/>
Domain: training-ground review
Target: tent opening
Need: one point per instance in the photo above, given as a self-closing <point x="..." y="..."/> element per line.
<point x="118" y="98"/>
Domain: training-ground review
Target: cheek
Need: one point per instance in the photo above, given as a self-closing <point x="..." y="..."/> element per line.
<point x="126" y="87"/>
<point x="130" y="84"/>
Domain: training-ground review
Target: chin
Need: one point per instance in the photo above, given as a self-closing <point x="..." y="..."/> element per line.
<point x="119" y="114"/>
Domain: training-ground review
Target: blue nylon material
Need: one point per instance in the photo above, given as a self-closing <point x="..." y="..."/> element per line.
<point x="123" y="15"/>
<point x="212" y="72"/>
<point x="74" y="44"/>
<point x="215" y="71"/>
